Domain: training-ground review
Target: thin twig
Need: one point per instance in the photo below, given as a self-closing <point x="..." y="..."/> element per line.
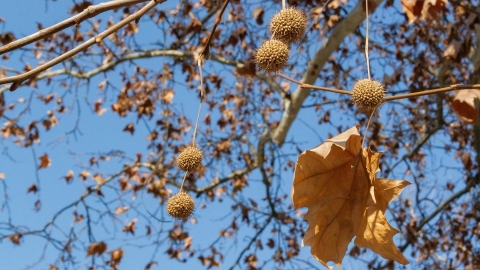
<point x="202" y="96"/>
<point x="183" y="181"/>
<point x="206" y="49"/>
<point x="434" y="91"/>
<point x="366" y="41"/>
<point x="309" y="86"/>
<point x="401" y="96"/>
<point x="227" y="178"/>
<point x="87" y="13"/>
<point x="18" y="79"/>
<point x="150" y="54"/>
<point x="254" y="238"/>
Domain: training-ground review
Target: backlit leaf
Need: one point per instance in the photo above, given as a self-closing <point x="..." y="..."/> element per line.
<point x="336" y="182"/>
<point x="44" y="162"/>
<point x="115" y="257"/>
<point x="464" y="105"/>
<point x="96" y="248"/>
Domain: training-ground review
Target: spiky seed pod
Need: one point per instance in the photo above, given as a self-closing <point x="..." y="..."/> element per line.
<point x="190" y="158"/>
<point x="368" y="94"/>
<point x="289" y="25"/>
<point x="272" y="55"/>
<point x="180" y="205"/>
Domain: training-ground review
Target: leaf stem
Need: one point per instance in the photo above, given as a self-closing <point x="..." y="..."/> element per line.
<point x="202" y="96"/>
<point x="366" y="41"/>
<point x="366" y="128"/>
<point x="183" y="181"/>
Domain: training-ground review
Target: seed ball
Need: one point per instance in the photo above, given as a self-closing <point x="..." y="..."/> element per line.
<point x="180" y="206"/>
<point x="289" y="25"/>
<point x="272" y="55"/>
<point x="368" y="94"/>
<point x="190" y="158"/>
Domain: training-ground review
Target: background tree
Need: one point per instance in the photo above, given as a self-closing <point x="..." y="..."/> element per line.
<point x="92" y="135"/>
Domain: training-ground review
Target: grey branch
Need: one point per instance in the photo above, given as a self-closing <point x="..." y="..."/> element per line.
<point x="89" y="12"/>
<point x="18" y="79"/>
<point x="149" y="54"/>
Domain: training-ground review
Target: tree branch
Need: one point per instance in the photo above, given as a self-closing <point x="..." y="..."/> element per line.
<point x="18" y="79"/>
<point x="444" y="204"/>
<point x="149" y="54"/>
<point x="227" y="178"/>
<point x="434" y="91"/>
<point x="206" y="50"/>
<point x="251" y="242"/>
<point x="87" y="13"/>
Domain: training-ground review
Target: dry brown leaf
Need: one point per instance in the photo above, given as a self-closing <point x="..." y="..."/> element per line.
<point x="413" y="9"/>
<point x="115" y="257"/>
<point x="33" y="188"/>
<point x="130" y="128"/>
<point x="44" y="162"/>
<point x="168" y="95"/>
<point x="336" y="182"/>
<point x="339" y="204"/>
<point x="464" y="105"/>
<point x="426" y="10"/>
<point x="99" y="179"/>
<point x="120" y="210"/>
<point x="69" y="176"/>
<point x="84" y="175"/>
<point x="97" y="248"/>
<point x="258" y="14"/>
<point x="130" y="227"/>
<point x="452" y="51"/>
<point x="375" y="232"/>
<point x="150" y="265"/>
<point x="15" y="238"/>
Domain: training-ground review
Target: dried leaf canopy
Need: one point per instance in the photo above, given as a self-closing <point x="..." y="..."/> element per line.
<point x="336" y="182"/>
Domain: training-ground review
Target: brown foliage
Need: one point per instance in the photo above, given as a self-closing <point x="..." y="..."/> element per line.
<point x="464" y="105"/>
<point x="115" y="257"/>
<point x="97" y="248"/>
<point x="424" y="9"/>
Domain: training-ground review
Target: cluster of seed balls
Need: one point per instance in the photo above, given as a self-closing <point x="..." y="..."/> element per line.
<point x="287" y="27"/>
<point x="368" y="94"/>
<point x="182" y="205"/>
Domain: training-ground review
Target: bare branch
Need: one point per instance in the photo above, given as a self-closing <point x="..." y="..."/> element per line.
<point x="18" y="79"/>
<point x="443" y="205"/>
<point x="435" y="91"/>
<point x="402" y="96"/>
<point x="149" y="54"/>
<point x="252" y="240"/>
<point x="87" y="13"/>
<point x="223" y="180"/>
<point x="309" y="86"/>
<point x="206" y="50"/>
